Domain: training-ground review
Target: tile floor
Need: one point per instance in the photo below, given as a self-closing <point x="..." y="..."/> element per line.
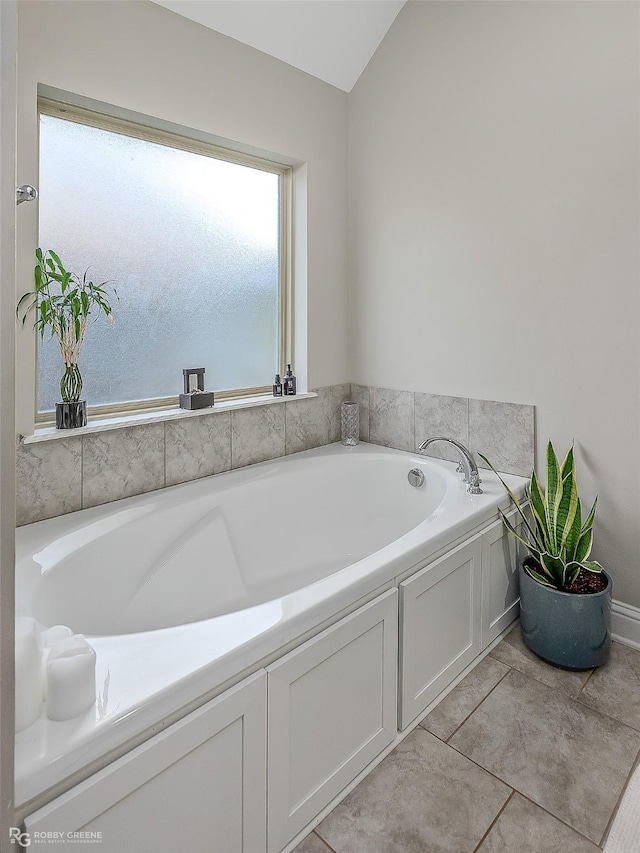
<point x="520" y="757"/>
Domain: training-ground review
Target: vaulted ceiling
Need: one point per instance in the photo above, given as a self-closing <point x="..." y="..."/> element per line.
<point x="330" y="39"/>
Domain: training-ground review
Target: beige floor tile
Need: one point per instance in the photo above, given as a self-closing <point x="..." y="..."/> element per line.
<point x="465" y="698"/>
<point x="524" y="827"/>
<point x="314" y="844"/>
<point x="514" y="653"/>
<point x="423" y="797"/>
<point x="566" y="757"/>
<point x="615" y="687"/>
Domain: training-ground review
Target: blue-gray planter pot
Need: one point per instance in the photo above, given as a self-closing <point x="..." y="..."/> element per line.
<point x="570" y="630"/>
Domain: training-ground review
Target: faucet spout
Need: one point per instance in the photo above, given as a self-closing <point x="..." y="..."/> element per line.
<point x="469" y="466"/>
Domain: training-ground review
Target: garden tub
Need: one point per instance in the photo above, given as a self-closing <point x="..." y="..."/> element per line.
<point x="185" y="590"/>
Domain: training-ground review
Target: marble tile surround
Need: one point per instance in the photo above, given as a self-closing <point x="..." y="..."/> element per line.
<point x="48" y="479"/>
<point x="68" y="474"/>
<point x="503" y="432"/>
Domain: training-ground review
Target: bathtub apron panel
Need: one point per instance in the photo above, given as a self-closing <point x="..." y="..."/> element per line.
<point x="440" y="626"/>
<point x="332" y="710"/>
<point x="500" y="590"/>
<point x="199" y="785"/>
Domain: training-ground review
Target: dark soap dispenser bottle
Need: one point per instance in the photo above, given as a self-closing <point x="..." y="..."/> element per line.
<point x="277" y="386"/>
<point x="289" y="382"/>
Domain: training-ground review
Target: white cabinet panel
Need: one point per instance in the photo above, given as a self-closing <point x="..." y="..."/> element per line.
<point x="199" y="785"/>
<point x="440" y="626"/>
<point x="500" y="592"/>
<point x="332" y="710"/>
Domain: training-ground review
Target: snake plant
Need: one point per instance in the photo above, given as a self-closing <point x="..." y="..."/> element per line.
<point x="62" y="302"/>
<point x="556" y="537"/>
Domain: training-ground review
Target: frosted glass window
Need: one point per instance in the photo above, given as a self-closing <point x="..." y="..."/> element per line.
<point x="191" y="244"/>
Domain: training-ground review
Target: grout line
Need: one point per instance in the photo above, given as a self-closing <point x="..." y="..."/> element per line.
<point x="570" y="697"/>
<point x="164" y="453"/>
<point x="495" y="820"/>
<point x="588" y="679"/>
<point x="534" y="677"/>
<point x="317" y="834"/>
<point x="369" y="408"/>
<point x="484" y="698"/>
<point x="231" y="441"/>
<point x="510" y="784"/>
<point x="614" y="813"/>
<point x="468" y="427"/>
<point x="562" y="821"/>
<point x="607" y="716"/>
<point x="415" y="434"/>
<point x="82" y="472"/>
<point x="521" y="793"/>
<point x="229" y="445"/>
<point x="285" y="429"/>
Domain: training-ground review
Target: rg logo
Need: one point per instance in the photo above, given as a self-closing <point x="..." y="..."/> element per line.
<point x="18" y="837"/>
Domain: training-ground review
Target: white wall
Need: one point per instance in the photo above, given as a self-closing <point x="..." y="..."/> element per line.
<point x="494" y="216"/>
<point x="142" y="57"/>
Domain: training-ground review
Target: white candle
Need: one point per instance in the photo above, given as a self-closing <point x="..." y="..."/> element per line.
<point x="28" y="654"/>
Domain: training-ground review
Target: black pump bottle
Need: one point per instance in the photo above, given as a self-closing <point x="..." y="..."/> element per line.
<point x="289" y="384"/>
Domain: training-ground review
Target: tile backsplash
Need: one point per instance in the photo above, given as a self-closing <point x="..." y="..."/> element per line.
<point x="503" y="432"/>
<point x="57" y="477"/>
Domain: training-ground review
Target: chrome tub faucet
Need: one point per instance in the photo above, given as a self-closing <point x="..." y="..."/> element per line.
<point x="467" y="463"/>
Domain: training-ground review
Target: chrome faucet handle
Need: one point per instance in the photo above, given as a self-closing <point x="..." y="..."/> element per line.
<point x="474" y="484"/>
<point x="460" y="470"/>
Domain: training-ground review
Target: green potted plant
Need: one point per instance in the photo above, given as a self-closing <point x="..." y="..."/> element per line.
<point x="565" y="598"/>
<point x="63" y="302"/>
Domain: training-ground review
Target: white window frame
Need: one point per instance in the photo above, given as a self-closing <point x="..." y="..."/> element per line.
<point x="92" y="118"/>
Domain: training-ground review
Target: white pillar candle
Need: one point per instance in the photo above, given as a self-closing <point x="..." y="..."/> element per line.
<point x="28" y="654"/>
<point x="71" y="678"/>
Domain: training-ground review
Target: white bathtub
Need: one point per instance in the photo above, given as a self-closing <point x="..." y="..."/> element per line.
<point x="185" y="590"/>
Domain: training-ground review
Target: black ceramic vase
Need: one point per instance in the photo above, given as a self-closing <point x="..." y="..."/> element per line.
<point x="71" y="415"/>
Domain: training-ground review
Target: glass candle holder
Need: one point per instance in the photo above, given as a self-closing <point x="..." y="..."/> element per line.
<point x="350" y="423"/>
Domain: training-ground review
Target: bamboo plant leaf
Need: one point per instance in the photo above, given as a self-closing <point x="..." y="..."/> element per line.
<point x="56" y="259"/>
<point x="61" y="304"/>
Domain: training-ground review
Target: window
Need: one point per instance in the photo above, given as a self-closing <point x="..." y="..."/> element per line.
<point x="195" y="240"/>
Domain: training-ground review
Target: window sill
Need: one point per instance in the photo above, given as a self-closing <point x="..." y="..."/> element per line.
<point x="121" y="421"/>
